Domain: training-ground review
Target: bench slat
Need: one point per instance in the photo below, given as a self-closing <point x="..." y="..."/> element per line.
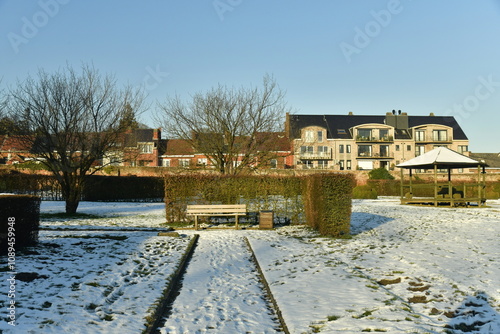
<point x="218" y="206"/>
<point x="217" y="210"/>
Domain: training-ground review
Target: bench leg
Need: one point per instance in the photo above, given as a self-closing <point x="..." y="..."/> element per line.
<point x="236" y="218"/>
<point x="196" y="223"/>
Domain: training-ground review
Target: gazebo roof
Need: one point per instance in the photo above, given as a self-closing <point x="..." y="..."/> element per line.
<point x="441" y="157"/>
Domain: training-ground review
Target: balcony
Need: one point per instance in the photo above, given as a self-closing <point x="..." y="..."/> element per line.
<point x="386" y="139"/>
<point x="369" y="155"/>
<point x="315" y="156"/>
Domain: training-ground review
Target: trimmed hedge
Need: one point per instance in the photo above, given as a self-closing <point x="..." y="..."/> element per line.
<point x="122" y="188"/>
<point x="12" y="181"/>
<point x="324" y="199"/>
<point x="364" y="192"/>
<point x="19" y="221"/>
<point x="328" y="203"/>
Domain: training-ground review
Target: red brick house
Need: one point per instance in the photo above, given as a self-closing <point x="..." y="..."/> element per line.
<point x="13" y="150"/>
<point x="180" y="154"/>
<point x="142" y="148"/>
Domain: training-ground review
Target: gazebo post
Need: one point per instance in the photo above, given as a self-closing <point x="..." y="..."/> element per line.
<point x="402" y="177"/>
<point x="450" y="188"/>
<point x="411" y="186"/>
<point x="435" y="185"/>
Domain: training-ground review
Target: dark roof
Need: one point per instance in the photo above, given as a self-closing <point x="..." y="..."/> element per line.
<point x="139" y="136"/>
<point x="450" y="121"/>
<point x="338" y="126"/>
<point x="491" y="159"/>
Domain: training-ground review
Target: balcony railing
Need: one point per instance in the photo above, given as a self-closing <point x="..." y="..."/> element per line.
<point x="433" y="140"/>
<point x="376" y="155"/>
<point x="315" y="156"/>
<point x="375" y="139"/>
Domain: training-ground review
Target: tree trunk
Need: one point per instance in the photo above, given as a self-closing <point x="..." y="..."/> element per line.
<point x="72" y="189"/>
<point x="72" y="205"/>
<point x="73" y="199"/>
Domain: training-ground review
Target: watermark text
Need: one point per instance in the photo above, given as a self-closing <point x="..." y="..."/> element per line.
<point x="11" y="254"/>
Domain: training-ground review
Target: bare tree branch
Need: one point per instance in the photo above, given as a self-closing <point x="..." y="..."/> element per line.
<point x="72" y="120"/>
<point x="232" y="127"/>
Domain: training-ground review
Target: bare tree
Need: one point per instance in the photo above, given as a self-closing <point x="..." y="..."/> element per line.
<point x="234" y="128"/>
<point x="72" y="120"/>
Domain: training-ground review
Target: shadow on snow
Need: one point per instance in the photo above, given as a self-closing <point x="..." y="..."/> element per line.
<point x="362" y="221"/>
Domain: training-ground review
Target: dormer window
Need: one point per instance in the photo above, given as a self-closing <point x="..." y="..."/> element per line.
<point x="309" y="136"/>
<point x="440" y="135"/>
<point x="146" y="148"/>
<point x="320" y="136"/>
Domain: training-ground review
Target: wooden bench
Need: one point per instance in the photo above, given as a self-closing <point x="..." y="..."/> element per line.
<point x="235" y="210"/>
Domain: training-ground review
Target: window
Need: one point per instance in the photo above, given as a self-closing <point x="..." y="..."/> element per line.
<point x="408" y="147"/>
<point x="202" y="161"/>
<point x="364" y="134"/>
<point x="304" y="150"/>
<point x="341" y="148"/>
<point x="463" y="148"/>
<point x="323" y="164"/>
<point x="419" y="150"/>
<point x="166" y="162"/>
<point x="384" y="150"/>
<point x="440" y="135"/>
<point x="384" y="134"/>
<point x="348" y="165"/>
<point x="348" y="148"/>
<point x="320" y="136"/>
<point x="184" y="163"/>
<point x="323" y="151"/>
<point x="146" y="148"/>
<point x="419" y="135"/>
<point x="397" y="148"/>
<point x="309" y="136"/>
<point x="273" y="163"/>
<point x="307" y="164"/>
<point x="341" y="164"/>
<point x="365" y="150"/>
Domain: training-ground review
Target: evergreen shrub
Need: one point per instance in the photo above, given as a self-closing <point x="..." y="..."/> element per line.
<point x="328" y="203"/>
<point x="364" y="192"/>
<point x="19" y="221"/>
<point x="122" y="188"/>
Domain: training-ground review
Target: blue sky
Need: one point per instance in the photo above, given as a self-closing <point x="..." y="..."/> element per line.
<point x="330" y="56"/>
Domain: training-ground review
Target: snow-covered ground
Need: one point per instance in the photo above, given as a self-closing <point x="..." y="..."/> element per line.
<point x="405" y="270"/>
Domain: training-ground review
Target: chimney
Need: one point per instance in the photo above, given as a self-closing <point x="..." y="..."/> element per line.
<point x="397" y="120"/>
<point x="287" y="125"/>
<point x="156" y="134"/>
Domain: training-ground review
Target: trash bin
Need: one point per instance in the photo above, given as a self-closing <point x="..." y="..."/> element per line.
<point x="266" y="219"/>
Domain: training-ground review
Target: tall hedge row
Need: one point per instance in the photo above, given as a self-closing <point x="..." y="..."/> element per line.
<point x="32" y="184"/>
<point x="123" y="188"/>
<point x="19" y="222"/>
<point x="98" y="188"/>
<point x="323" y="201"/>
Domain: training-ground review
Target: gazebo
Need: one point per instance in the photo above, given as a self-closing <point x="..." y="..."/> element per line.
<point x="442" y="159"/>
